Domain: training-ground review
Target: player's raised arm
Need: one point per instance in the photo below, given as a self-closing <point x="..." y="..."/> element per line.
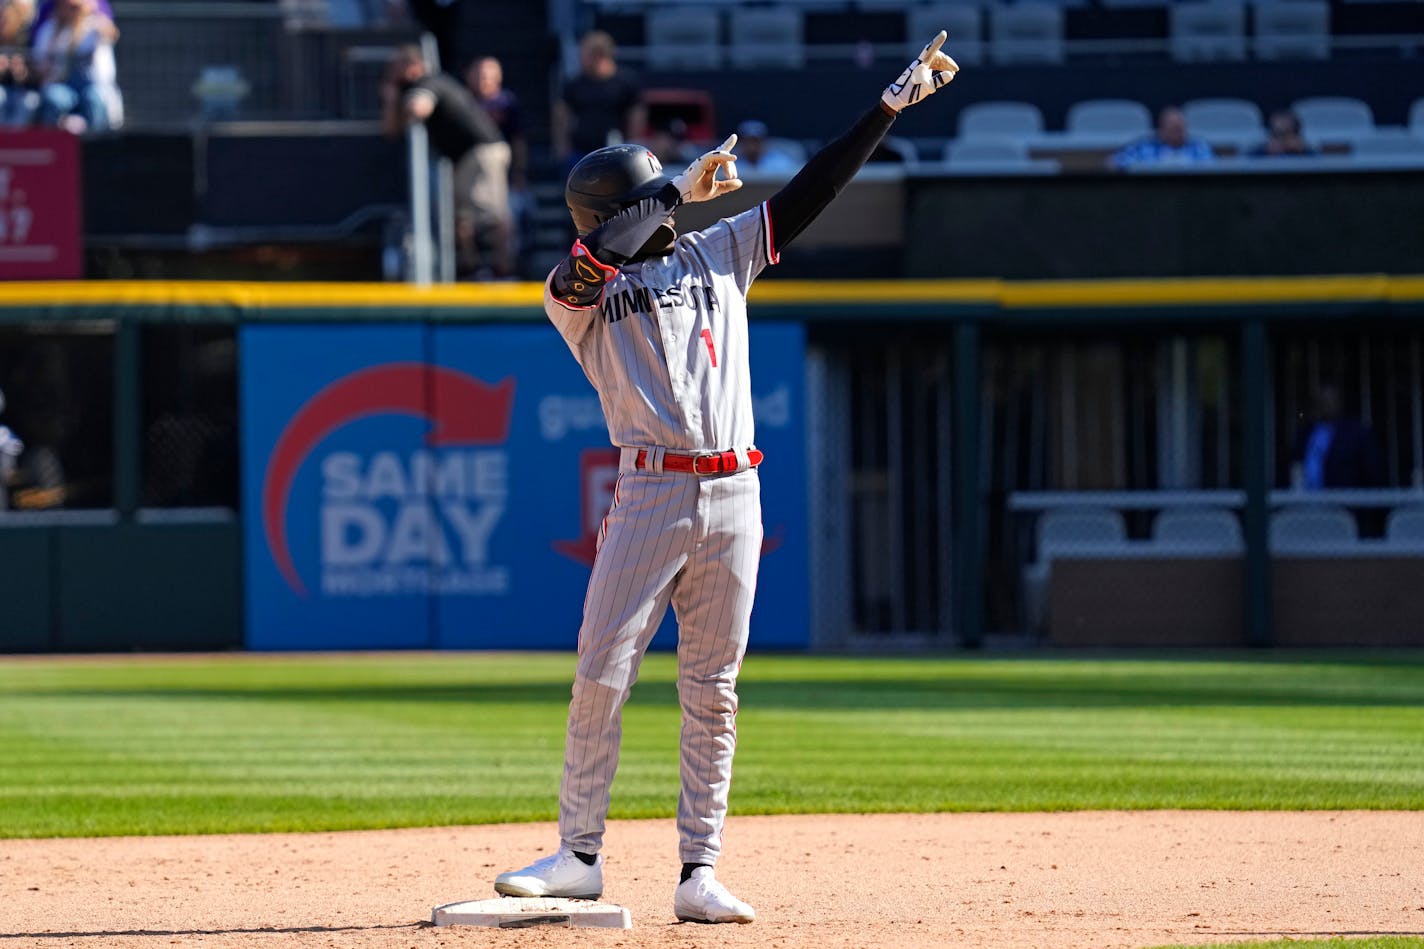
<point x="831" y="169"/>
<point x="622" y="205"/>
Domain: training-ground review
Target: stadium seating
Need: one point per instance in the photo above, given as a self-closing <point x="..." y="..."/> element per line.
<point x="766" y="37"/>
<point x="1395" y="147"/>
<point x="1107" y="122"/>
<point x="984" y="148"/>
<point x="1207" y="31"/>
<point x="1328" y="120"/>
<point x="1234" y="123"/>
<point x="988" y="155"/>
<point x="962" y="21"/>
<point x="1026" y="33"/>
<point x="683" y="38"/>
<point x="1069" y="532"/>
<point x="1198" y="532"/>
<point x="1404" y="529"/>
<point x="1001" y="120"/>
<point x="1312" y="530"/>
<point x="1298" y="29"/>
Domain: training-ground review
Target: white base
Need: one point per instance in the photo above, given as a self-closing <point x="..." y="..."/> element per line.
<point x="512" y="912"/>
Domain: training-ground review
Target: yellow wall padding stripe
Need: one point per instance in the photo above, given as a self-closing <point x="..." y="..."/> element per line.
<point x="1406" y="289"/>
<point x="1204" y="291"/>
<point x="274" y="295"/>
<point x="825" y="292"/>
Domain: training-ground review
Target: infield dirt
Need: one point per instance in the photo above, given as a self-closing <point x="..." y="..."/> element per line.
<point x="1007" y="881"/>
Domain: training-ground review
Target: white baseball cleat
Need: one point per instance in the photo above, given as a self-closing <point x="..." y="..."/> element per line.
<point x="703" y="900"/>
<point x="561" y="874"/>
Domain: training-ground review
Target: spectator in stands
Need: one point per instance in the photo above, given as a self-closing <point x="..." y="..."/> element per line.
<point x="485" y="78"/>
<point x="46" y="10"/>
<point x="462" y="131"/>
<point x="1169" y="145"/>
<point x="19" y="94"/>
<point x="600" y="106"/>
<point x="1283" y="137"/>
<point x="753" y="154"/>
<point x="74" y="57"/>
<point x="1335" y="450"/>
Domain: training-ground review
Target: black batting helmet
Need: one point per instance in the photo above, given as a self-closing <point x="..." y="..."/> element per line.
<point x="608" y="180"/>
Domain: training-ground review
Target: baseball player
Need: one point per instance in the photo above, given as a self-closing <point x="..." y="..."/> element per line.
<point x="658" y="323"/>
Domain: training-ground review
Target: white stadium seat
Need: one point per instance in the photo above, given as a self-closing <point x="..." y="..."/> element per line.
<point x="1019" y="120"/>
<point x="1299" y="29"/>
<point x="1026" y="33"/>
<point x="1198" y="531"/>
<point x="766" y="37"/>
<point x="683" y="38"/>
<point x="1207" y="31"/>
<point x="1068" y="532"/>
<point x="1107" y="122"/>
<point x="1331" y="119"/>
<point x="1234" y="122"/>
<point x="1312" y="529"/>
<point x="1406" y="524"/>
<point x="962" y="21"/>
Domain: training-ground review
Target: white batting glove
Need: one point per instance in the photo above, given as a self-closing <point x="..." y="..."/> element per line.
<point x="923" y="77"/>
<point x="700" y="182"/>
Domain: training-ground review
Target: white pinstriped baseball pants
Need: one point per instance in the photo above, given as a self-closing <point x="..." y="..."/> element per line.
<point x="694" y="541"/>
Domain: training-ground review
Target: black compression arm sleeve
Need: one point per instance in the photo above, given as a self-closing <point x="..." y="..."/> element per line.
<point x="616" y="240"/>
<point x="829" y="170"/>
<point x="578" y="279"/>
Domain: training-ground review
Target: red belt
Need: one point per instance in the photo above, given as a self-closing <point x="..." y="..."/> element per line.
<point x="702" y="463"/>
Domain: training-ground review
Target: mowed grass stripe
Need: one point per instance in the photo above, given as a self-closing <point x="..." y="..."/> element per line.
<point x="255" y="743"/>
<point x="1253" y="758"/>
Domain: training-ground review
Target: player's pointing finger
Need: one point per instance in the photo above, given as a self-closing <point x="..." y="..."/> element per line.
<point x="934" y="46"/>
<point x="727" y="145"/>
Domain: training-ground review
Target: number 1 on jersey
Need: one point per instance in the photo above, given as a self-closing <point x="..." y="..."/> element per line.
<point x="711" y="350"/>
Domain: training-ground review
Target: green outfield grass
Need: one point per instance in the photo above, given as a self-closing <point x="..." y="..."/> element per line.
<point x="1377" y="942"/>
<point x="259" y="743"/>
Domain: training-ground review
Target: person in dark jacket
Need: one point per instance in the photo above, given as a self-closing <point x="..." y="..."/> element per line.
<point x="1335" y="450"/>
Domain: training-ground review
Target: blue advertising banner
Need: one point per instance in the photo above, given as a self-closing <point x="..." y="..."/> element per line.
<point x="321" y="515"/>
<point x="441" y="487"/>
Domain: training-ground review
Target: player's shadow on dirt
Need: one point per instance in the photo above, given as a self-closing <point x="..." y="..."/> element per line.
<point x="254" y="930"/>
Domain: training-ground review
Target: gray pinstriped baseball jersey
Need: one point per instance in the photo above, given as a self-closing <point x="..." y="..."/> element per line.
<point x="666" y="348"/>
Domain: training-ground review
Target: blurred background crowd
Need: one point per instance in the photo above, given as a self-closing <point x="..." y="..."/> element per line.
<point x="1049" y="87"/>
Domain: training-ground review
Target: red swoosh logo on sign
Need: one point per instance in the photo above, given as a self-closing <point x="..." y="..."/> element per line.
<point x="463" y="410"/>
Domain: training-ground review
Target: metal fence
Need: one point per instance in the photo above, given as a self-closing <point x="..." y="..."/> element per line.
<point x="180" y="62"/>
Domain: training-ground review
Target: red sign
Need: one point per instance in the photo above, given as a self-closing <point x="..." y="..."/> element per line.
<point x="39" y="205"/>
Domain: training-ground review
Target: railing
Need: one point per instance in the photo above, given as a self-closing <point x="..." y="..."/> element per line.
<point x="182" y="62"/>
